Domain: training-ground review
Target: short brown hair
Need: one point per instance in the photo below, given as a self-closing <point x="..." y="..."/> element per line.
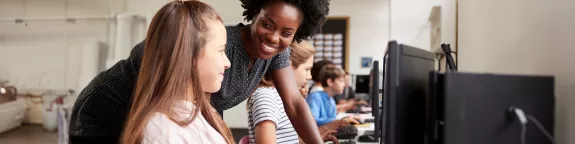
<point x="316" y="68"/>
<point x="330" y="72"/>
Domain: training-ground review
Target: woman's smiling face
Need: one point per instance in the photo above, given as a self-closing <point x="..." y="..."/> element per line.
<point x="273" y="29"/>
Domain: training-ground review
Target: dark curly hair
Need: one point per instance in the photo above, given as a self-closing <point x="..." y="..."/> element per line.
<point x="314" y="14"/>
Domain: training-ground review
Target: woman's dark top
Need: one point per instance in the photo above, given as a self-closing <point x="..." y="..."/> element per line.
<point x="101" y="108"/>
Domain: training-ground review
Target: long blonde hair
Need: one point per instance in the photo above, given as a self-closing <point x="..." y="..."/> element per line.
<point x="299" y="53"/>
<point x="168" y="73"/>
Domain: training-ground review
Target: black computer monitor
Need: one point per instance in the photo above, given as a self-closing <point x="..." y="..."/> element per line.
<point x="476" y="108"/>
<point x="376" y="109"/>
<point x="406" y="86"/>
<point x="374" y="91"/>
<point x="362" y="84"/>
<point x="375" y="99"/>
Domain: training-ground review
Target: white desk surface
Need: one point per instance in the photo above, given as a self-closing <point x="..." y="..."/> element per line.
<point x="362" y="128"/>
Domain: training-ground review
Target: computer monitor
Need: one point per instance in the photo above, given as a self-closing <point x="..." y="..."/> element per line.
<point x="476" y="108"/>
<point x="362" y="84"/>
<point x="376" y="109"/>
<point x="374" y="91"/>
<point x="406" y="86"/>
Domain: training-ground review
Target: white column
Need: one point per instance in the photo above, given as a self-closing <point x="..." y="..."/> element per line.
<point x="90" y="63"/>
<point x="123" y="44"/>
<point x="109" y="60"/>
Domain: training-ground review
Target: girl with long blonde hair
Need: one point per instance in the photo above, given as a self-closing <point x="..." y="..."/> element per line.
<point x="184" y="61"/>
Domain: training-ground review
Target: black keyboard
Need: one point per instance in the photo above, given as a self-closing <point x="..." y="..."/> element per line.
<point x="357" y="109"/>
<point x="370" y="120"/>
<point x="346" y="132"/>
<point x="347" y="142"/>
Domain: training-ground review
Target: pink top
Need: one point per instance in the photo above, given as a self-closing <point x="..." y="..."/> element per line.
<point x="161" y="130"/>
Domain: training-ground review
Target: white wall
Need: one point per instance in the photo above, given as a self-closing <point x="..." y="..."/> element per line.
<point x="523" y="37"/>
<point x="45" y="54"/>
<point x="409" y="22"/>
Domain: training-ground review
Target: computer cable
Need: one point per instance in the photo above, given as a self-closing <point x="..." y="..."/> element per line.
<point x="540" y="126"/>
<point x="523" y="119"/>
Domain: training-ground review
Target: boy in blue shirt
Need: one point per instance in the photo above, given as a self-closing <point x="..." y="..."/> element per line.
<point x="321" y="103"/>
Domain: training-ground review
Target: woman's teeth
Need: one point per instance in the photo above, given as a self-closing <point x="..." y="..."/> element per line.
<point x="268" y="47"/>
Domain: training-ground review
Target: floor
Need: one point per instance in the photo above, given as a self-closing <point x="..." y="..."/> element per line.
<point x="29" y="134"/>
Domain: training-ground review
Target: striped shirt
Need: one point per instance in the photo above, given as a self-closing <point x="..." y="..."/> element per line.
<point x="266" y="105"/>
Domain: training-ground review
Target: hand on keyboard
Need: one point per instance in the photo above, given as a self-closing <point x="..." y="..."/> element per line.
<point x="328" y="136"/>
<point x="334" y="125"/>
<point x="352" y="120"/>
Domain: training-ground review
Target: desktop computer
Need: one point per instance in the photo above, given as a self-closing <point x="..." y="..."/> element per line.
<point x="421" y="105"/>
<point x="362" y="84"/>
<point x="475" y="108"/>
<point x="405" y="93"/>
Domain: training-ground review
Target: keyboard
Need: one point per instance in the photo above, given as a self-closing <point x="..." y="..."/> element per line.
<point x="370" y="120"/>
<point x="357" y="109"/>
<point x="347" y="142"/>
<point x="346" y="132"/>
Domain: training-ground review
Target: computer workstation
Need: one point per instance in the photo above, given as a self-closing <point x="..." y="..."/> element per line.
<point x="422" y="105"/>
<point x="361" y="134"/>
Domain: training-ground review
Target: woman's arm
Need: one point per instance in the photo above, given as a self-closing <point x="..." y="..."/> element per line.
<point x="295" y="106"/>
<point x="265" y="132"/>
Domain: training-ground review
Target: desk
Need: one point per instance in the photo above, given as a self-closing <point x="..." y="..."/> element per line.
<point x="360" y="131"/>
<point x="362" y="117"/>
<point x="362" y="128"/>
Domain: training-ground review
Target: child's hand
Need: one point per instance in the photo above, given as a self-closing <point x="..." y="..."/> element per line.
<point x="352" y="119"/>
<point x="362" y="102"/>
<point x="334" y="125"/>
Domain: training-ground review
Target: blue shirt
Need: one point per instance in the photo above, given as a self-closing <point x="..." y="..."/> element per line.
<point x="322" y="107"/>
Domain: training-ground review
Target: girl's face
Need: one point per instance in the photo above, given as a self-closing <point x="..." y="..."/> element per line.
<point x="302" y="72"/>
<point x="213" y="61"/>
<point x="273" y="29"/>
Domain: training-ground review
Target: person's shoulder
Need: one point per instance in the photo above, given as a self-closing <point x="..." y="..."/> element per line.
<point x="283" y="54"/>
<point x="315" y="95"/>
<point x="266" y="90"/>
<point x="159" y="128"/>
<point x="158" y="122"/>
<point x="265" y="93"/>
<point x="234" y="39"/>
<point x="233" y="32"/>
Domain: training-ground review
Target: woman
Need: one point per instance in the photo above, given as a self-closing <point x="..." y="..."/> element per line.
<point x="184" y="60"/>
<point x="100" y="110"/>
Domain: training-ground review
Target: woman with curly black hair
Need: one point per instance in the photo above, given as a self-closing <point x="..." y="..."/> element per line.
<point x="253" y="49"/>
<point x="275" y="24"/>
